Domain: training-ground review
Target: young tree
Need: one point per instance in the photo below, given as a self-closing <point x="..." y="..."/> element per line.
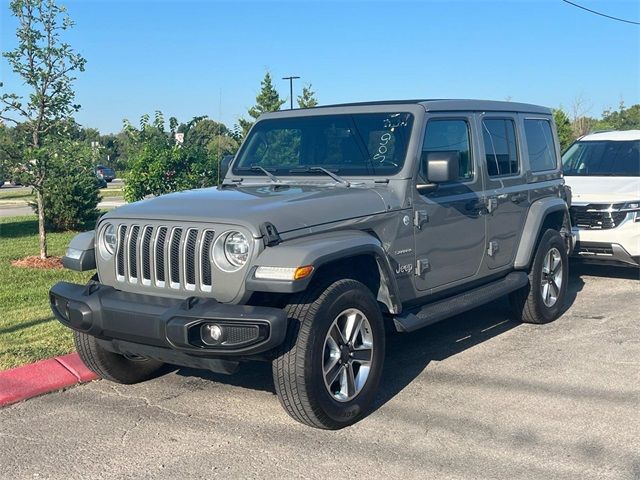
<point x="268" y="100"/>
<point x="46" y="65"/>
<point x="308" y="98"/>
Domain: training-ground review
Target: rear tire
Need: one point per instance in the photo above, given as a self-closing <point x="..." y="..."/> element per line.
<point x="542" y="300"/>
<point x="112" y="366"/>
<point x="328" y="369"/>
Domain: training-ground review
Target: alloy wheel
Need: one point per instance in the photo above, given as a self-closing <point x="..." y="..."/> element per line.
<point x="551" y="279"/>
<point x="347" y="355"/>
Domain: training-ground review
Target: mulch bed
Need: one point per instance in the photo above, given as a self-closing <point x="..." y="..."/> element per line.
<point x="37" y="262"/>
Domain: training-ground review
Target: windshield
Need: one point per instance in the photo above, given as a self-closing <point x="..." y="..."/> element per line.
<point x="603" y="158"/>
<point x="356" y="144"/>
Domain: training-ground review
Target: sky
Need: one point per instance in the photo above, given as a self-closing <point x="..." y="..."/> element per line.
<point x="208" y="57"/>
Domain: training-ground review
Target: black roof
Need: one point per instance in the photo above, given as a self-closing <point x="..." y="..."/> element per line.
<point x="452" y="105"/>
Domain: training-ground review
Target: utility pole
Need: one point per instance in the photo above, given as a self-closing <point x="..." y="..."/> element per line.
<point x="291" y="79"/>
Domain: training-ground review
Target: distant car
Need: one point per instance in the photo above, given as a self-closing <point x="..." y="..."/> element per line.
<point x="603" y="171"/>
<point x="102" y="183"/>
<point x="107" y="173"/>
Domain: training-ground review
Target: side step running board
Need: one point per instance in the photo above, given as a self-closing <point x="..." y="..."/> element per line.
<point x="436" y="311"/>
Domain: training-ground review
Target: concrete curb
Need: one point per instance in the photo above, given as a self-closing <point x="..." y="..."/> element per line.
<point x="46" y="376"/>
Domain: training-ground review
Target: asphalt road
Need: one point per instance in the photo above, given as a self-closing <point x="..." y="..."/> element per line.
<point x="14" y="209"/>
<point x="477" y="396"/>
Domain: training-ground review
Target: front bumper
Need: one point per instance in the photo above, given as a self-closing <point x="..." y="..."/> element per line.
<point x="620" y="245"/>
<point x="166" y="328"/>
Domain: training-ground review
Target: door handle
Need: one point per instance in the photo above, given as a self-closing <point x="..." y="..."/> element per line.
<point x="518" y="197"/>
<point x="476" y="206"/>
<point x="476" y="209"/>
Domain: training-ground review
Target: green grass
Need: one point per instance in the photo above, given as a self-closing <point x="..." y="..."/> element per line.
<point x="28" y="331"/>
<point x="16" y="194"/>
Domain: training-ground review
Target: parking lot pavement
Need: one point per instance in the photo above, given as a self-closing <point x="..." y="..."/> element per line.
<point x="477" y="396"/>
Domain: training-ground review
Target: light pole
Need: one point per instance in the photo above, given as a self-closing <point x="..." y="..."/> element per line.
<point x="291" y="79"/>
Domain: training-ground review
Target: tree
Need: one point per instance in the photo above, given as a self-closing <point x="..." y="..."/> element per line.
<point x="46" y="66"/>
<point x="563" y="124"/>
<point x="158" y="165"/>
<point x="308" y="98"/>
<point x="215" y="137"/>
<point x="581" y="123"/>
<point x="622" y="119"/>
<point x="268" y="100"/>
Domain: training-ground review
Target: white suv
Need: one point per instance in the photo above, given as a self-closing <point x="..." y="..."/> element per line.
<point x="603" y="171"/>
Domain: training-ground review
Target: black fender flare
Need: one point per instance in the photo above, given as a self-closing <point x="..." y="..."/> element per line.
<point x="318" y="250"/>
<point x="536" y="216"/>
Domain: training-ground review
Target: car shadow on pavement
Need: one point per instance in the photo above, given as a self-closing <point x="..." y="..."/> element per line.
<point x="407" y="355"/>
<point x="251" y="375"/>
<point x="595" y="270"/>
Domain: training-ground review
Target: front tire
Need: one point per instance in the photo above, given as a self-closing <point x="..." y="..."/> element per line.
<point x="328" y="369"/>
<point x="542" y="300"/>
<point x="112" y="366"/>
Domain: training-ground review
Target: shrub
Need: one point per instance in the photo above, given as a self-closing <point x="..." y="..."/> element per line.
<point x="71" y="193"/>
<point x="158" y="169"/>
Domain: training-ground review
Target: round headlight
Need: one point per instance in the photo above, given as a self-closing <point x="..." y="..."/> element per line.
<point x="109" y="238"/>
<point x="236" y="249"/>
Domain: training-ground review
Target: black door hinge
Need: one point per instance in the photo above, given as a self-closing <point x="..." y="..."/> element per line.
<point x="420" y="217"/>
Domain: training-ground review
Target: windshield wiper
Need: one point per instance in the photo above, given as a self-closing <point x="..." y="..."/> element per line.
<point x="337" y="178"/>
<point x="258" y="168"/>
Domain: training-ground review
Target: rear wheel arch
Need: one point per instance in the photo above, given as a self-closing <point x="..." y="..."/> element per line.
<point x="545" y="214"/>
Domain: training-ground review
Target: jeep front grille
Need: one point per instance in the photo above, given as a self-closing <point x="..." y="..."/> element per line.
<point x="596" y="216"/>
<point x="165" y="257"/>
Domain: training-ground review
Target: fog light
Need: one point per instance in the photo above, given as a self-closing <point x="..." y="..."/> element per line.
<point x="211" y="333"/>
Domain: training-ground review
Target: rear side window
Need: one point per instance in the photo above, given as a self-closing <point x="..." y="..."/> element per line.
<point x="500" y="147"/>
<point x="542" y="153"/>
<point x="449" y="136"/>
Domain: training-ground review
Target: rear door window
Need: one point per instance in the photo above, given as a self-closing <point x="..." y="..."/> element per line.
<point x="501" y="152"/>
<point x="542" y="152"/>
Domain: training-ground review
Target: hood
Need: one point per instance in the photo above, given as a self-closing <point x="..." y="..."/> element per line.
<point x="286" y="207"/>
<point x="603" y="189"/>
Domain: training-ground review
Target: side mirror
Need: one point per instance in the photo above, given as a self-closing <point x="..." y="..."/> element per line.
<point x="224" y="165"/>
<point x="439" y="167"/>
<point x="443" y="166"/>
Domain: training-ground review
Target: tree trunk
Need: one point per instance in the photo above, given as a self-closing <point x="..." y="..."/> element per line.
<point x="41" y="231"/>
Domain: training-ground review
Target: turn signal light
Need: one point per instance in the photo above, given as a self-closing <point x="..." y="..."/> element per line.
<point x="303" y="272"/>
<point x="283" y="273"/>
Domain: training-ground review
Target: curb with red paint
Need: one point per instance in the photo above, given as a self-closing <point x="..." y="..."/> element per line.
<point x="46" y="376"/>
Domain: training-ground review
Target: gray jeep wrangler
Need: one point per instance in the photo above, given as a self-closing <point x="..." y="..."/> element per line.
<point x="333" y="227"/>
